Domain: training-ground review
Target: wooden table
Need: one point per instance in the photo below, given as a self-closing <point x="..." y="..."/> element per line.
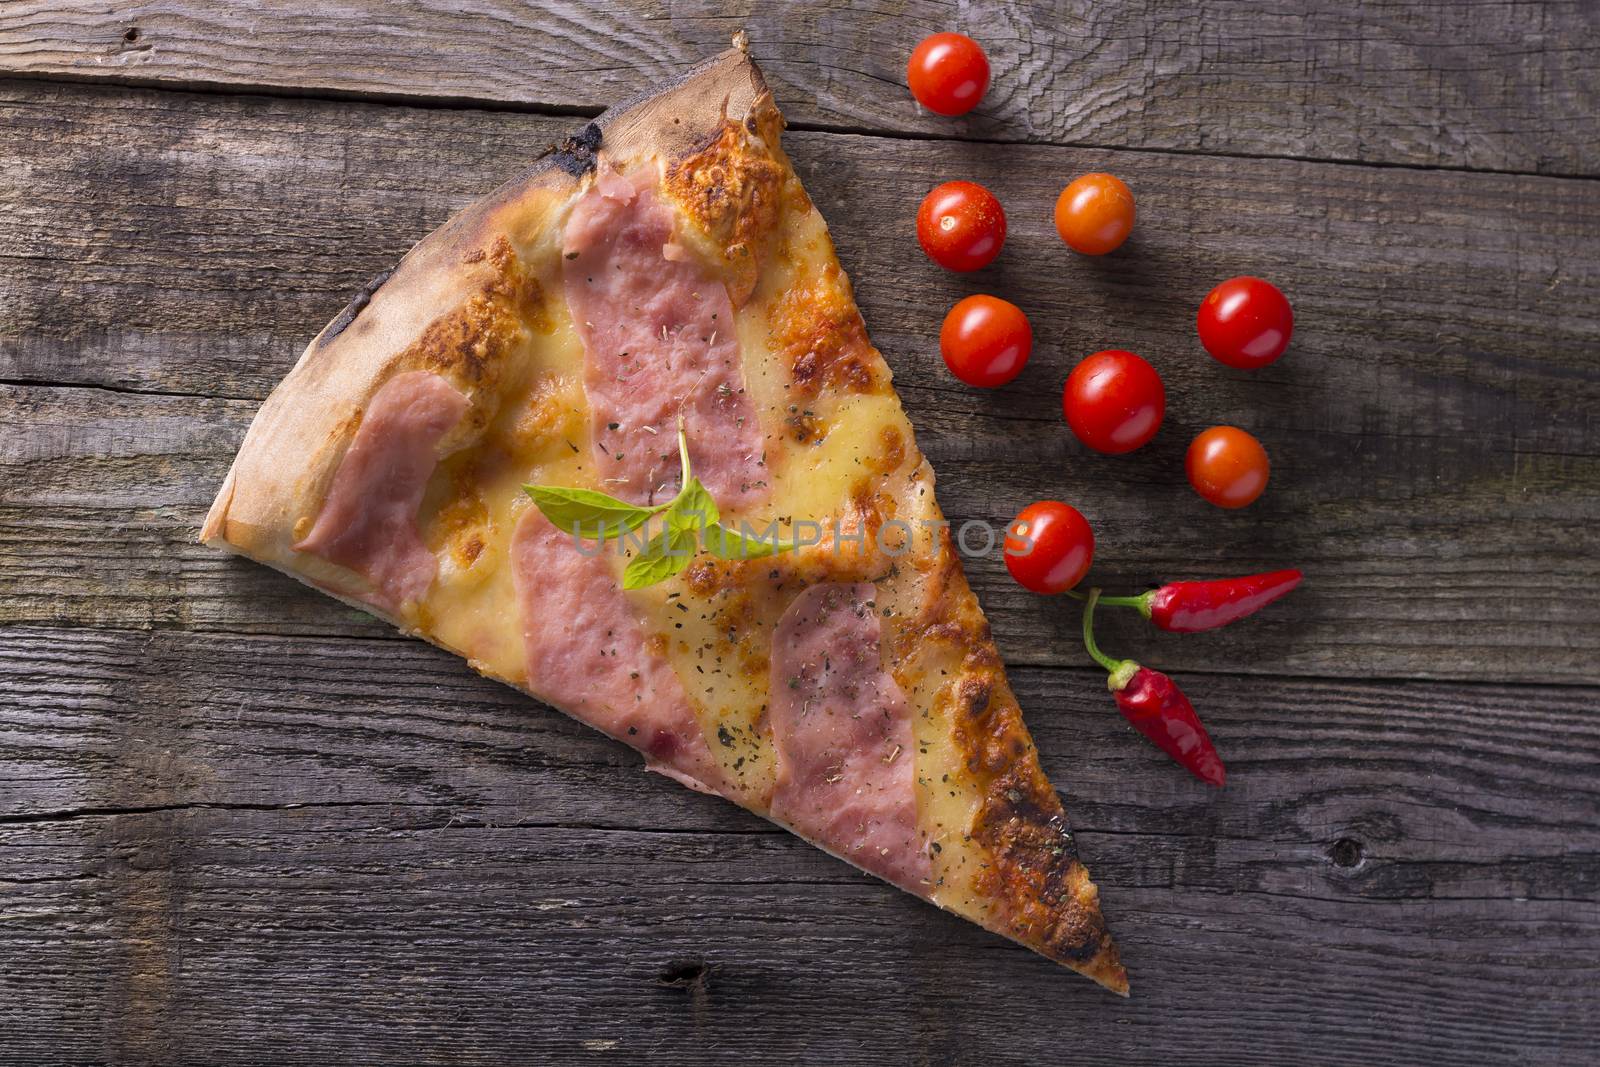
<point x="240" y="823"/>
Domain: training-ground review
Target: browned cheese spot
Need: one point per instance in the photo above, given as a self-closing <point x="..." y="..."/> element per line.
<point x="891" y="450"/>
<point x="817" y="329"/>
<point x="469" y="346"/>
<point x="805" y="427"/>
<point x="732" y="190"/>
<point x="462" y="515"/>
<point x="549" y="416"/>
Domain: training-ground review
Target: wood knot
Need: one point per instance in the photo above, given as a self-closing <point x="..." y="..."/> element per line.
<point x="1346" y="852"/>
<point x="691" y="975"/>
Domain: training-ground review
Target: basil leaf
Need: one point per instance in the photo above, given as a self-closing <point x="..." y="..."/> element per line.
<point x="666" y="554"/>
<point x="691" y="517"/>
<point x="692" y="510"/>
<point x="729" y="544"/>
<point x="586" y="513"/>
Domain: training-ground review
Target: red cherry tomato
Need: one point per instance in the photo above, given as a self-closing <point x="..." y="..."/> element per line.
<point x="948" y="73"/>
<point x="1245" y="322"/>
<point x="985" y="341"/>
<point x="1114" y="401"/>
<point x="1049" y="547"/>
<point x="1227" y="466"/>
<point x="1095" y="214"/>
<point x="961" y="226"/>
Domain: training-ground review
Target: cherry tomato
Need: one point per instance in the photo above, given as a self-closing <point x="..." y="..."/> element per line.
<point x="1245" y="322"/>
<point x="1049" y="547"/>
<point x="948" y="73"/>
<point x="1095" y="214"/>
<point x="961" y="226"/>
<point x="1114" y="401"/>
<point x="1227" y="466"/>
<point x="985" y="341"/>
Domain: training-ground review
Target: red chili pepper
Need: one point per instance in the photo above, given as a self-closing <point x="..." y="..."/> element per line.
<point x="1189" y="607"/>
<point x="1157" y="708"/>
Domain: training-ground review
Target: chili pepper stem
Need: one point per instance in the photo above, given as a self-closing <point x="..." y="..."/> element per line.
<point x="1142" y="601"/>
<point x="1121" y="671"/>
<point x="1088" y="633"/>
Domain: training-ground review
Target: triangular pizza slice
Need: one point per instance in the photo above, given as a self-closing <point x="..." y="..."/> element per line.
<point x="665" y="269"/>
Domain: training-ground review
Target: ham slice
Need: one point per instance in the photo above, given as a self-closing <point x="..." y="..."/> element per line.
<point x="658" y="338"/>
<point x="368" y="520"/>
<point x="588" y="654"/>
<point x="846" y="776"/>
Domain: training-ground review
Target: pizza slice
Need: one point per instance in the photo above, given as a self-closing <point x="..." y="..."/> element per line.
<point x="664" y="269"/>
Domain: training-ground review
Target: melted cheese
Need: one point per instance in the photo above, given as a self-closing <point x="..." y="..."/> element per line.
<point x="834" y="440"/>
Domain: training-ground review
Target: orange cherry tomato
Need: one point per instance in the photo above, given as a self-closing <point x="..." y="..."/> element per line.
<point x="1049" y="547"/>
<point x="948" y="73"/>
<point x="1227" y="466"/>
<point x="985" y="341"/>
<point x="1095" y="214"/>
<point x="961" y="226"/>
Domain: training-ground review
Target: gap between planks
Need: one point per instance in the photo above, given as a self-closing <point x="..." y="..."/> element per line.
<point x="588" y="111"/>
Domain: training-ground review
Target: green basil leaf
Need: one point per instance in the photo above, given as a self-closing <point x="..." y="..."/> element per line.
<point x="692" y="510"/>
<point x="584" y="512"/>
<point x="666" y="554"/>
<point x="730" y="544"/>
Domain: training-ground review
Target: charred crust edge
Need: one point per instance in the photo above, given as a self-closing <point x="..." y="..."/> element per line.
<point x="357" y="304"/>
<point x="562" y="157"/>
<point x="576" y="155"/>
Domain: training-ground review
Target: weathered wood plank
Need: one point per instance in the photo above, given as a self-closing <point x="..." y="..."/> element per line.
<point x="409" y="862"/>
<point x="105" y="492"/>
<point x="1488" y="84"/>
<point x="310" y="937"/>
<point x="271" y="846"/>
<point x="172" y="242"/>
<point x="141" y="256"/>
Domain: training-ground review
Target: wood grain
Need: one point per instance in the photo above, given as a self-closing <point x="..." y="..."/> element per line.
<point x="240" y="823"/>
<point x="1484" y="84"/>
<point x="413" y="863"/>
<point x="1435" y="451"/>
